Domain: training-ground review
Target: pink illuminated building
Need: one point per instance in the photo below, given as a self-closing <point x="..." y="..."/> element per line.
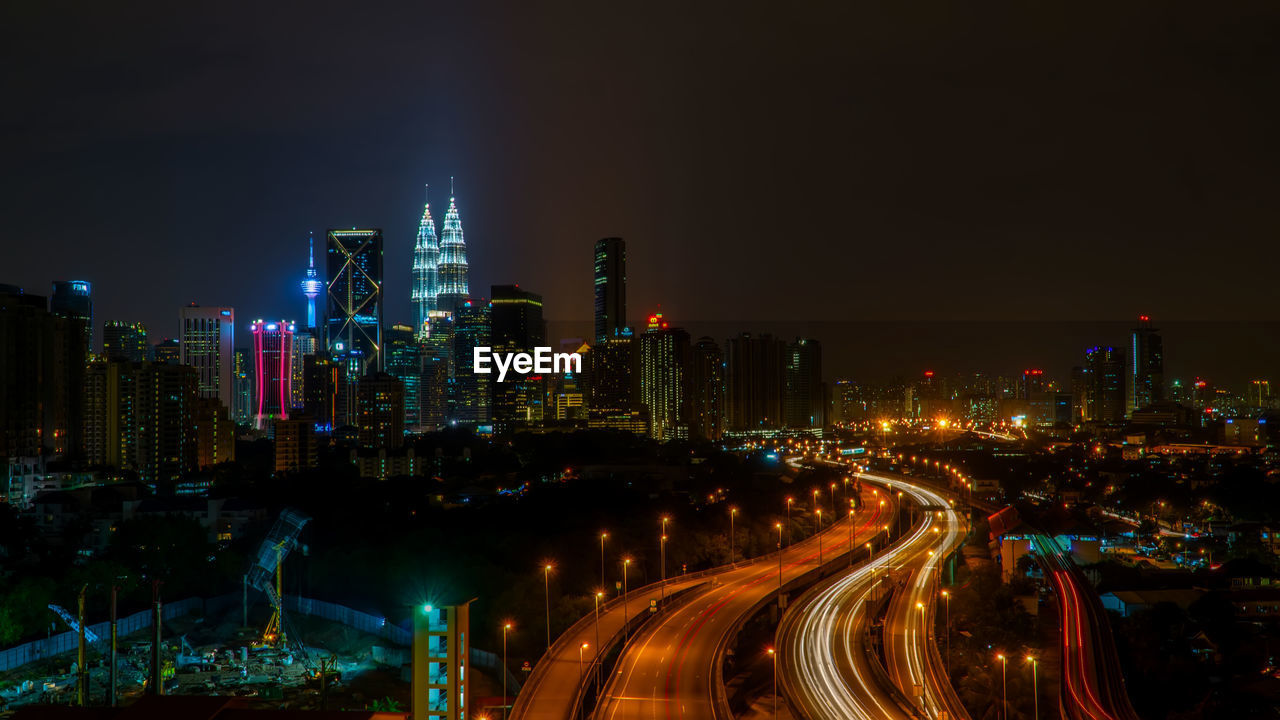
<point x="272" y="358"/>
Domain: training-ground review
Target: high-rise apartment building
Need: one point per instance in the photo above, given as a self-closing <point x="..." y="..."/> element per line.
<point x="380" y="399"/>
<point x="754" y="380"/>
<point x="404" y="362"/>
<point x="610" y="286"/>
<point x="452" y="273"/>
<point x="206" y="342"/>
<point x="273" y="371"/>
<point x="664" y="361"/>
<point x="125" y="341"/>
<point x="354" y="300"/>
<point x="516" y="325"/>
<point x="1146" y="366"/>
<point x="142" y="417"/>
<point x="706" y="390"/>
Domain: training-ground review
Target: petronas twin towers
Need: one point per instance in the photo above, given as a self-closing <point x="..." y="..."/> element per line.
<point x="439" y="266"/>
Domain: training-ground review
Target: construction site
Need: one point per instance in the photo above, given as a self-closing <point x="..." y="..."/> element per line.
<point x="293" y="653"/>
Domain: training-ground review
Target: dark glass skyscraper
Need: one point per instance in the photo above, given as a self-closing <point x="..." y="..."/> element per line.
<point x="353" y="304"/>
<point x="1104" y="385"/>
<point x="610" y="286"/>
<point x="516" y="325"/>
<point x="754" y="379"/>
<point x="706" y="390"/>
<point x="125" y="341"/>
<point x="404" y="362"/>
<point x="1146" y="366"/>
<point x="471" y="398"/>
<point x="73" y="300"/>
<point x="803" y="398"/>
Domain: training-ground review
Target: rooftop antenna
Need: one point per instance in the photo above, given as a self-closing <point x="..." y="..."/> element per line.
<point x="428" y="194"/>
<point x="450" y="187"/>
<point x="311" y="249"/>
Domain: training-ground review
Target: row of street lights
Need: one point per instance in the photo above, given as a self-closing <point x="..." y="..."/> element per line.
<point x="1004" y="684"/>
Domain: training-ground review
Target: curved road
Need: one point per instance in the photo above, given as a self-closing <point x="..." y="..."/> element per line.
<point x="670" y="671"/>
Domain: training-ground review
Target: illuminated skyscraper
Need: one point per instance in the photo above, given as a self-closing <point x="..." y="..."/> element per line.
<point x="381" y="408"/>
<point x="73" y="299"/>
<point x="207" y="343"/>
<point x="803" y="399"/>
<point x="404" y="362"/>
<point x="125" y="341"/>
<point x="452" y="268"/>
<point x="471" y="391"/>
<point x="1104" y="375"/>
<point x="242" y="409"/>
<point x="426" y="279"/>
<point x="312" y="285"/>
<point x="610" y="266"/>
<point x="664" y="353"/>
<point x="516" y="326"/>
<point x="353" y="311"/>
<point x="1146" y="367"/>
<point x="273" y="371"/>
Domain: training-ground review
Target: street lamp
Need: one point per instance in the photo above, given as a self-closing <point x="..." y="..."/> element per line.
<point x="626" y="563"/>
<point x="1004" y="685"/>
<point x="581" y="671"/>
<point x="819" y="512"/>
<point x="833" y="498"/>
<point x="546" y="585"/>
<point x="815" y="509"/>
<point x="946" y="596"/>
<point x="774" y="657"/>
<point x="732" y="512"/>
<point x="850" y="537"/>
<point x="603" y="536"/>
<point x="599" y="595"/>
<point x="790" y="501"/>
<point x="662" y="553"/>
<point x="1035" y="684"/>
<point x="506" y="627"/>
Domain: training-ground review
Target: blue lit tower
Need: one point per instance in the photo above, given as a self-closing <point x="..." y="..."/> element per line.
<point x="453" y="260"/>
<point x="426" y="280"/>
<point x="311" y="284"/>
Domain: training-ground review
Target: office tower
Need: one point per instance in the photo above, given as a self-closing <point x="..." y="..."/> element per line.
<point x="1080" y="393"/>
<point x="437" y="370"/>
<point x="42" y="365"/>
<point x="706" y="390"/>
<point x="664" y="360"/>
<point x="380" y="399"/>
<point x="1032" y="383"/>
<point x="516" y="325"/>
<point x="272" y="370"/>
<point x="404" y="362"/>
<point x="207" y="343"/>
<point x="613" y="380"/>
<point x="1259" y="393"/>
<point x="242" y="379"/>
<point x="471" y="391"/>
<point x="1146" y="368"/>
<point x="141" y="417"/>
<point x="167" y="351"/>
<point x="325" y="379"/>
<point x="426" y="279"/>
<point x="312" y="286"/>
<point x="452" y="270"/>
<point x="754" y="378"/>
<point x="353" y="309"/>
<point x="848" y="403"/>
<point x="803" y="401"/>
<point x="296" y="447"/>
<point x="73" y="300"/>
<point x="570" y="402"/>
<point x="610" y="287"/>
<point x="125" y="341"/>
<point x="1105" y="400"/>
<point x="215" y="433"/>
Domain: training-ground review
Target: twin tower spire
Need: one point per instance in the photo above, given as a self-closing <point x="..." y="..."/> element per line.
<point x="439" y="265"/>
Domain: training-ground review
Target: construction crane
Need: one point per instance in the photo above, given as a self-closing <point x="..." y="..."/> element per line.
<point x="267" y="575"/>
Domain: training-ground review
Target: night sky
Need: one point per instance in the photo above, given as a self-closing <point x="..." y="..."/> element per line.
<point x="765" y="161"/>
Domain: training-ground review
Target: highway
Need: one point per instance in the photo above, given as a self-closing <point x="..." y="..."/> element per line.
<point x="671" y="670"/>
<point x="1092" y="683"/>
<point x="826" y="660"/>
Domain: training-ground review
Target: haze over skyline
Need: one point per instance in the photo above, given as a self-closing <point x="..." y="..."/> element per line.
<point x="1077" y="169"/>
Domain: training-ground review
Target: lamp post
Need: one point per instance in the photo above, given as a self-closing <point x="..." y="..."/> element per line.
<point x="790" y="502"/>
<point x="546" y="586"/>
<point x="817" y="526"/>
<point x="599" y="595"/>
<point x="581" y="670"/>
<point x="662" y="553"/>
<point x="626" y="563"/>
<point x="774" y="657"/>
<point x="779" y="526"/>
<point x="603" y="536"/>
<point x="833" y="501"/>
<point x="819" y="512"/>
<point x="506" y="627"/>
<point x="1035" y="684"/>
<point x="850" y="537"/>
<point x="946" y="596"/>
<point x="1004" y="685"/>
<point x="732" y="511"/>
